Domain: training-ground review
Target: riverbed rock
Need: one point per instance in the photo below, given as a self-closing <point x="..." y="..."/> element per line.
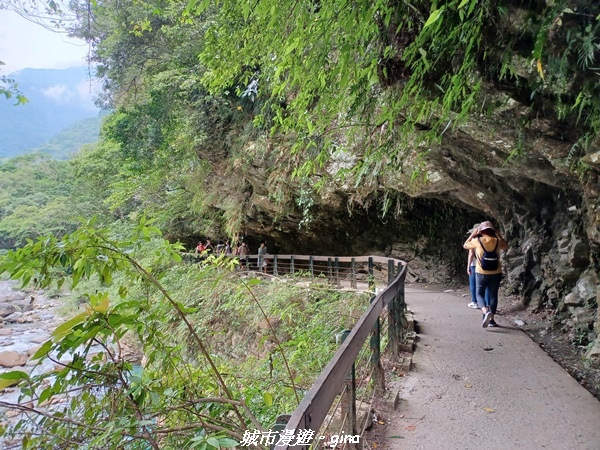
<point x="11" y="358"/>
<point x="10" y="295"/>
<point x="14" y="317"/>
<point x="25" y="304"/>
<point x="6" y="309"/>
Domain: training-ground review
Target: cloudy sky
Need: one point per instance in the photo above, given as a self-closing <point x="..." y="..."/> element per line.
<point x="27" y="45"/>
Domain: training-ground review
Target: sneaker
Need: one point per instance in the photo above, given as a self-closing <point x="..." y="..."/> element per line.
<point x="486" y="319"/>
<point x="492" y="323"/>
<point x="473" y="305"/>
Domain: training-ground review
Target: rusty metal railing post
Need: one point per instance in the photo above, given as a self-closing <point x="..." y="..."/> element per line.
<point x="348" y="401"/>
<point x="371" y="276"/>
<point x="336" y="271"/>
<point x="375" y="344"/>
<point x="395" y="326"/>
<point x="353" y="273"/>
<point x="402" y="311"/>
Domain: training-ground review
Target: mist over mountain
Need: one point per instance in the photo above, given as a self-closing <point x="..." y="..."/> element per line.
<point x="58" y="99"/>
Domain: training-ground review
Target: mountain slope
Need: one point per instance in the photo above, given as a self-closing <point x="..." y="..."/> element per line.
<point x="57" y="98"/>
<point x="70" y="140"/>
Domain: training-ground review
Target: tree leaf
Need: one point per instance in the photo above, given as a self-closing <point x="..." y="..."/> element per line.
<point x="227" y="442"/>
<point x="268" y="398"/>
<point x="43" y="350"/>
<point x="64" y="328"/>
<point x="14" y="375"/>
<point x="213" y="442"/>
<point x="11" y="378"/>
<point x="45" y="395"/>
<point x="101" y="305"/>
<point x="435" y="15"/>
<point x="540" y="68"/>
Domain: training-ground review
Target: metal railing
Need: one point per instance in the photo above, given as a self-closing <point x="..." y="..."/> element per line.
<point x="340" y="271"/>
<point x="338" y="379"/>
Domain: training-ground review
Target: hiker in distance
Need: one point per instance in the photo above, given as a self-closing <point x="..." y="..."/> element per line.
<point x="487" y="243"/>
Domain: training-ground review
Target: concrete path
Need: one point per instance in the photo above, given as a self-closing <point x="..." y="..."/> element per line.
<point x="494" y="388"/>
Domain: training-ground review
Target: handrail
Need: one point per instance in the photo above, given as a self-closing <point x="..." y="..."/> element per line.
<point x="314" y="407"/>
<point x="332" y="267"/>
<point x="312" y="410"/>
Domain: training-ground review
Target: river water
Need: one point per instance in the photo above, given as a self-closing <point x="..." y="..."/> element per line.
<point x="28" y="319"/>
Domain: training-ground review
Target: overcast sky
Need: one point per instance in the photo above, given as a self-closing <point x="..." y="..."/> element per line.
<point x="27" y="45"/>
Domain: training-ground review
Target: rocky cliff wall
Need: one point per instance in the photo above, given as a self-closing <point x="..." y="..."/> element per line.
<point x="526" y="180"/>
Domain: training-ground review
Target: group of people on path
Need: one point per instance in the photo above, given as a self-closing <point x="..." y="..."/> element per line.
<point x="242" y="249"/>
<point x="222" y="248"/>
<point x="485" y="270"/>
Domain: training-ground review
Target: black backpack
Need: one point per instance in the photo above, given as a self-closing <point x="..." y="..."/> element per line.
<point x="489" y="260"/>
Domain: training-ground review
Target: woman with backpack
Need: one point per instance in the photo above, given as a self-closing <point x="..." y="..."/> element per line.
<point x="471" y="268"/>
<point x="487" y="243"/>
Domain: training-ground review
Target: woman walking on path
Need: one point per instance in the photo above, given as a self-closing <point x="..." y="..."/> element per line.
<point x="471" y="268"/>
<point x="488" y="269"/>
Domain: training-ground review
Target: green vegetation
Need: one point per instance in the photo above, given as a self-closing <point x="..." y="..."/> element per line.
<point x="220" y="354"/>
<point x="70" y="141"/>
<point x="34" y="199"/>
<point x="208" y="97"/>
<point x="383" y="70"/>
<point x="40" y="196"/>
<point x="10" y="89"/>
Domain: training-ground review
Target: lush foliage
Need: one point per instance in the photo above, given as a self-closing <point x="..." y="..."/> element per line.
<point x="9" y="89"/>
<point x="220" y="354"/>
<point x="40" y="196"/>
<point x="204" y="88"/>
<point x="386" y="69"/>
<point x="34" y="199"/>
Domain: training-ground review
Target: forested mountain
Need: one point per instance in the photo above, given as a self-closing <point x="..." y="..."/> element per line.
<point x="340" y="128"/>
<point x="57" y="99"/>
<point x="71" y="139"/>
